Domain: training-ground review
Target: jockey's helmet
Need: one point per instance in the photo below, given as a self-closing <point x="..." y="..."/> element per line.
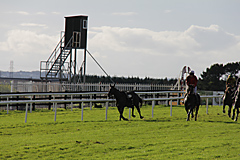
<point x="192" y="72"/>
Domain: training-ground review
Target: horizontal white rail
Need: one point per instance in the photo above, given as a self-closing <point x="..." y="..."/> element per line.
<point x="93" y="100"/>
<point x="84" y="93"/>
<point x="55" y="101"/>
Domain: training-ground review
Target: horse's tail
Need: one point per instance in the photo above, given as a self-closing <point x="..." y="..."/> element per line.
<point x="141" y="101"/>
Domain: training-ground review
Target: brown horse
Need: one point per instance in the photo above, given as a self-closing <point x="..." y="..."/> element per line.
<point x="126" y="99"/>
<point x="191" y="103"/>
<point x="228" y="99"/>
<point x="236" y="104"/>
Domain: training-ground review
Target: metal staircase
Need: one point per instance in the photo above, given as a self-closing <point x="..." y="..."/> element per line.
<point x="56" y="66"/>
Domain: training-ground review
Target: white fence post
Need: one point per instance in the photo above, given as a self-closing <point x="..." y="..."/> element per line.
<point x="55" y="115"/>
<point x="106" y="110"/>
<point x="129" y="113"/>
<point x="171" y="108"/>
<point x="26" y="113"/>
<point x="219" y="101"/>
<point x="90" y="102"/>
<point x="153" y="105"/>
<point x="31" y="105"/>
<point x="7" y="105"/>
<point x="71" y="103"/>
<point x="53" y="105"/>
<point x="82" y="112"/>
<point x="207" y="105"/>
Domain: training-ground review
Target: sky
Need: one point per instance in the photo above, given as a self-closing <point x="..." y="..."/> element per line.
<point x="139" y="38"/>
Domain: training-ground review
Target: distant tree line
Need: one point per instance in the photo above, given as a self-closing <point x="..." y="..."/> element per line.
<point x="129" y="80"/>
<point x="214" y="78"/>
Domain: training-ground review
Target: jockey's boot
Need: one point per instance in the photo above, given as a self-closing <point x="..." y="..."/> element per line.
<point x="184" y="98"/>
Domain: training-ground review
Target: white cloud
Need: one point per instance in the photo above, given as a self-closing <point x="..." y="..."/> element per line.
<point x="212" y="37"/>
<point x="124" y="13"/>
<point x="136" y="51"/>
<point x="22" y="12"/>
<point x="27" y="48"/>
<point x="33" y="25"/>
<point x="57" y="13"/>
<point x="167" y="11"/>
<point x="132" y="51"/>
<point x="41" y="13"/>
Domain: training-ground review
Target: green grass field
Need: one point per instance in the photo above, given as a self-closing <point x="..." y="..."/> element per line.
<point x="213" y="136"/>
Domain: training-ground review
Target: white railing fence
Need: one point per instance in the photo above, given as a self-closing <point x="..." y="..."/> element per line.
<point x="30" y="86"/>
<point x="54" y="101"/>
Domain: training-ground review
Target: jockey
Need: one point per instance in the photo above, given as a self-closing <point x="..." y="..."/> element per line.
<point x="231" y="81"/>
<point x="237" y="81"/>
<point x="192" y="80"/>
<point x="233" y="84"/>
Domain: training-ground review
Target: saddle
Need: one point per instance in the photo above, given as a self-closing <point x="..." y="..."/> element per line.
<point x="231" y="90"/>
<point x="129" y="97"/>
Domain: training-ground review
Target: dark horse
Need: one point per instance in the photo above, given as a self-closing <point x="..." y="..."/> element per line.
<point x="191" y="102"/>
<point x="228" y="99"/>
<point x="125" y="99"/>
<point x="236" y="104"/>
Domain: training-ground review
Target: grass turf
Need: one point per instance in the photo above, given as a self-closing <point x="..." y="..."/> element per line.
<point x="213" y="136"/>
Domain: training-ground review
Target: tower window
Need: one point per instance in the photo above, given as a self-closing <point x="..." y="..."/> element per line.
<point x="84" y="24"/>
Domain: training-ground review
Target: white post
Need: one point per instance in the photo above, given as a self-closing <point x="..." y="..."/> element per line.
<point x="11" y="83"/>
<point x="26" y="113"/>
<point x="171" y="108"/>
<point x="31" y="106"/>
<point x="153" y="105"/>
<point x="154" y="96"/>
<point x="91" y="102"/>
<point x="82" y="112"/>
<point x="106" y="110"/>
<point x="166" y="100"/>
<point x="7" y="105"/>
<point x="129" y="114"/>
<point x="71" y="103"/>
<point x="55" y="116"/>
<point x="207" y="105"/>
<point x="53" y="102"/>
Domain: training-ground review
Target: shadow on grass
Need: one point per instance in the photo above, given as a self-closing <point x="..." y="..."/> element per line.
<point x="223" y="122"/>
<point x="157" y="120"/>
<point x="131" y="120"/>
<point x="99" y="121"/>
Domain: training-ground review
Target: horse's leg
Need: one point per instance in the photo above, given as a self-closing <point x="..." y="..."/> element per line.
<point x="133" y="111"/>
<point x="229" y="111"/>
<point x="237" y="114"/>
<point x="139" y="112"/>
<point x="233" y="115"/>
<point x="223" y="107"/>
<point x="188" y="116"/>
<point x="192" y="113"/>
<point x="196" y="113"/>
<point x="120" y="112"/>
<point x="186" y="109"/>
<point x="189" y="112"/>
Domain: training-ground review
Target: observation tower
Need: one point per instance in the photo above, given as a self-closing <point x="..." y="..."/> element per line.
<point x="62" y="63"/>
